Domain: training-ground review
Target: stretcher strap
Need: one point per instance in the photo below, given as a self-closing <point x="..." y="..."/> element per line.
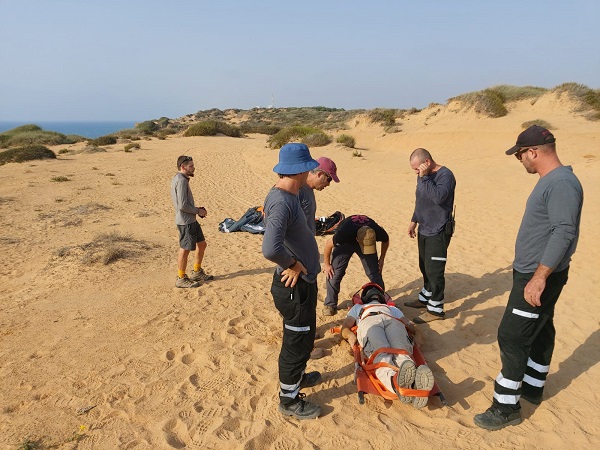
<point x="395" y="351"/>
<point x="369" y="369"/>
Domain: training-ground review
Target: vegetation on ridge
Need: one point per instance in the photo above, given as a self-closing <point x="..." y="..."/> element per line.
<point x="311" y="136"/>
<point x="33" y="134"/>
<point x="26" y="153"/>
<point x="307" y="124"/>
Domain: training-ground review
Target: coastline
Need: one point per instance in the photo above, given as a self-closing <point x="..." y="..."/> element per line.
<point x="88" y="129"/>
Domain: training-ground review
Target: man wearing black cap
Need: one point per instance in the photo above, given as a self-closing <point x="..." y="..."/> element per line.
<point x="289" y="243"/>
<point x="545" y="243"/>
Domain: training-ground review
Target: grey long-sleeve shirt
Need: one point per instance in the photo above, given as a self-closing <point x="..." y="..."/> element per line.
<point x="550" y="227"/>
<point x="183" y="200"/>
<point x="287" y="236"/>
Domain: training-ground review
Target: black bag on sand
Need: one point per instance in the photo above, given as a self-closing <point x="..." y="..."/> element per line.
<point x="328" y="225"/>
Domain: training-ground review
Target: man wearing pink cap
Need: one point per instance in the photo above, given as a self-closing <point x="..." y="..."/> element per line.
<point x="318" y="179"/>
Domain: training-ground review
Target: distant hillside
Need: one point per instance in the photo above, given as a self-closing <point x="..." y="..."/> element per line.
<point x="317" y="121"/>
<point x="490" y="102"/>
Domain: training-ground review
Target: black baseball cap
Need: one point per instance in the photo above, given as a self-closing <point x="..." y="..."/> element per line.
<point x="532" y="136"/>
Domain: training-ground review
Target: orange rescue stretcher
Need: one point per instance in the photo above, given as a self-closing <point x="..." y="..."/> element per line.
<point x="364" y="368"/>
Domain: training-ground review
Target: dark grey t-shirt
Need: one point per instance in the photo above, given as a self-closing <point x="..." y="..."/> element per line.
<point x="550" y="227"/>
<point x="287" y="236"/>
<point x="434" y="201"/>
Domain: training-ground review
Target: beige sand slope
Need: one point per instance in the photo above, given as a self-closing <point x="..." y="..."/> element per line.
<point x="167" y="368"/>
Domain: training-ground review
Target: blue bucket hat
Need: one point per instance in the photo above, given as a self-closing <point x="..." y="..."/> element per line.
<point x="295" y="158"/>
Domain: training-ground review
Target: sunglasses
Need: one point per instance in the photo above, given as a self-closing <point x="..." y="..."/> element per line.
<point x="329" y="179"/>
<point x="519" y="154"/>
<point x="186" y="159"/>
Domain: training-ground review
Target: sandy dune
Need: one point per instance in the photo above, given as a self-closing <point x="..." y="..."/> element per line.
<point x="170" y="368"/>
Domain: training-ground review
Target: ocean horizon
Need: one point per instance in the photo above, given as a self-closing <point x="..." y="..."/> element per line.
<point x="88" y="129"/>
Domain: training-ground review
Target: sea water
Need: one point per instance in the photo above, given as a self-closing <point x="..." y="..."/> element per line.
<point x="85" y="129"/>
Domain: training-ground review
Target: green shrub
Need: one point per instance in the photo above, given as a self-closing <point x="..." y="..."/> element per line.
<point x="589" y="98"/>
<point x="104" y="140"/>
<point x="515" y="93"/>
<point x="25" y="128"/>
<point x="27" y="153"/>
<point x="317" y="139"/>
<point x="256" y="118"/>
<point x="32" y="135"/>
<point x="308" y="135"/>
<point x="259" y="127"/>
<point x="386" y="117"/>
<point x="346" y="140"/>
<point x="147" y="127"/>
<point x="73" y="138"/>
<point x="163" y="122"/>
<point x="131" y="146"/>
<point x="487" y="102"/>
<point x="90" y="148"/>
<point x="212" y="128"/>
<point x="539" y="122"/>
<point x="391" y="130"/>
<point x="63" y="151"/>
<point x="491" y="102"/>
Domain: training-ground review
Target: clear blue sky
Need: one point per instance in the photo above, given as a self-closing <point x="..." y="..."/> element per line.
<point x="144" y="59"/>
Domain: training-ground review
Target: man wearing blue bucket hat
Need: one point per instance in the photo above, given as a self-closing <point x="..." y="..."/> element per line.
<point x="289" y="242"/>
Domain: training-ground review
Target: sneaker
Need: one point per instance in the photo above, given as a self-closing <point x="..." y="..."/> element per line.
<point x="494" y="419"/>
<point x="405" y="378"/>
<point x="300" y="409"/>
<point x="310" y="379"/>
<point x="185" y="282"/>
<point x="329" y="310"/>
<point x="416" y="304"/>
<point x="201" y="275"/>
<point x="423" y="382"/>
<point x="427" y="317"/>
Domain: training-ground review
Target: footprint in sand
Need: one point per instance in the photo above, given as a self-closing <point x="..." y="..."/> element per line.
<point x="175" y="433"/>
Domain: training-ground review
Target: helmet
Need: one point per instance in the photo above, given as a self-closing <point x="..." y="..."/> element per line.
<point x="372" y="293"/>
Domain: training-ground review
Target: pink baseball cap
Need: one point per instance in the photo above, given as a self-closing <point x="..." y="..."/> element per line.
<point x="327" y="165"/>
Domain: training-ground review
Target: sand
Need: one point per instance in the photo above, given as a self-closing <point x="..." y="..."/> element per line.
<point x="172" y="368"/>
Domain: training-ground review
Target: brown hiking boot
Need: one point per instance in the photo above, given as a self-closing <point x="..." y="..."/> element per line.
<point x="201" y="275"/>
<point x="329" y="310"/>
<point x="185" y="282"/>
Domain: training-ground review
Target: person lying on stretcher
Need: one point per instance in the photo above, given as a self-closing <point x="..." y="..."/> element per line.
<point x="380" y="325"/>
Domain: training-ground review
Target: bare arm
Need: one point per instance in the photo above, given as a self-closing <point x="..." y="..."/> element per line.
<point x="347" y="333"/>
<point x="537" y="284"/>
<point x="328" y="269"/>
